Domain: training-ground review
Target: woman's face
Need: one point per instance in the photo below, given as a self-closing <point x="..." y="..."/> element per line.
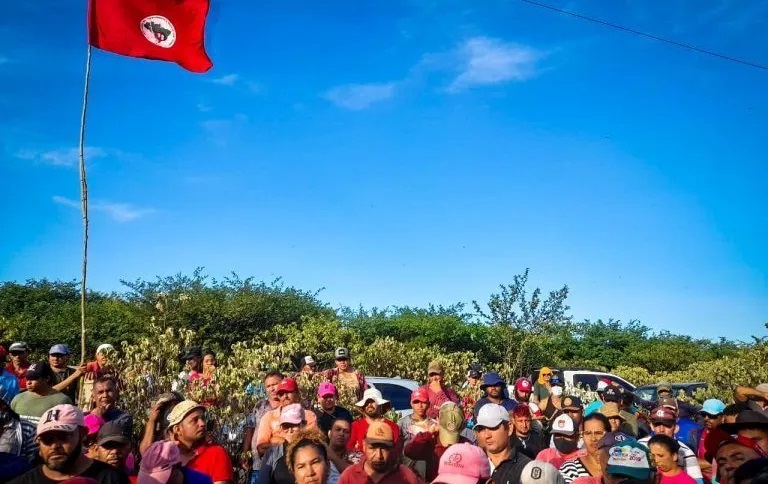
<point x="664" y="460"/>
<point x="309" y="466"/>
<point x="209" y="362"/>
<point x="615" y="423"/>
<point x="593" y="432"/>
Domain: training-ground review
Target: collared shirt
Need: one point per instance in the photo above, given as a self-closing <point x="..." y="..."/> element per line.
<point x="213" y="461"/>
<point x="509" y="470"/>
<point x="399" y="475"/>
<point x="437" y="399"/>
<point x="325" y="419"/>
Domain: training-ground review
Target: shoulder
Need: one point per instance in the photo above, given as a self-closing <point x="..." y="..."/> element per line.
<point x="28" y="477"/>
<point x="105" y="473"/>
<point x="685" y="450"/>
<point x="407" y="474"/>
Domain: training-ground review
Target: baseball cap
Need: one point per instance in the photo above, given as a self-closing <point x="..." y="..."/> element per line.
<point x="630" y="459"/>
<point x="93" y="423"/>
<point x="111" y="432"/>
<point x="610" y="410"/>
<point x="717" y="438"/>
<point x="491" y="415"/>
<point x="189" y="354"/>
<point x="602" y="385"/>
<point x="664" y="386"/>
<point x="292" y="414"/>
<point x="18" y="346"/>
<point x="667" y="402"/>
<point x="751" y="419"/>
<point x="39" y="370"/>
<point x="435" y="367"/>
<point x="104" y="347"/>
<point x="537" y="472"/>
<point x="287" y="385"/>
<point x="181" y="410"/>
<point x="62" y="418"/>
<point x="379" y="433"/>
<point x="523" y="385"/>
<point x="60" y="349"/>
<point x="326" y="389"/>
<point x="572" y="403"/>
<point x="713" y="406"/>
<point x="420" y="395"/>
<point x="564" y="425"/>
<point x="612" y="393"/>
<point x="555" y="381"/>
<point x="463" y="464"/>
<point x="341" y="353"/>
<point x="663" y="415"/>
<point x="491" y="380"/>
<point x="614" y="438"/>
<point x="451" y="420"/>
<point x="372" y="394"/>
<point x="157" y="462"/>
<point x="308" y="360"/>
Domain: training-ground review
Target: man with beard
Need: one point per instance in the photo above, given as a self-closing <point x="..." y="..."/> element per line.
<point x="60" y="434"/>
<point x="372" y="407"/>
<point x="380" y="465"/>
<point x="105" y="396"/>
<point x="113" y="446"/>
<point x="712" y="411"/>
<point x="527" y="440"/>
<point x="187" y="426"/>
<point x="495" y="392"/>
<point x="728" y="453"/>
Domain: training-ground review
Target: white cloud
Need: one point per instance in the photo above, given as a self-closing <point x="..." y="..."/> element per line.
<point x="67" y="157"/>
<point x="228" y="80"/>
<point x="360" y="96"/>
<point x="486" y="61"/>
<point x="119" y="212"/>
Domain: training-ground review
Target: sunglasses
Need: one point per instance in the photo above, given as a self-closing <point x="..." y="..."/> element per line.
<point x="435" y="374"/>
<point x="710" y="416"/>
<point x="342" y="359"/>
<point x="17" y="353"/>
<point x="546" y="374"/>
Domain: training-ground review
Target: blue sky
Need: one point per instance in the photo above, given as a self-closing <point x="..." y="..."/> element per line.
<point x="407" y="152"/>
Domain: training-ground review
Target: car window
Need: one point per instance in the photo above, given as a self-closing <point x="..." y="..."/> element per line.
<point x="585" y="381"/>
<point x="648" y="394"/>
<point x="398" y="395"/>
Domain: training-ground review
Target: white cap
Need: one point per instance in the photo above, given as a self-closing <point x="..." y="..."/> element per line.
<point x="563" y="425"/>
<point x="372" y="394"/>
<point x="491" y="415"/>
<point x="537" y="472"/>
<point x="308" y="360"/>
<point x="602" y="385"/>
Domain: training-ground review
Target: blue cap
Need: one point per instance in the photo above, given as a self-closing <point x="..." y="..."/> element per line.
<point x="556" y="381"/>
<point x="491" y="380"/>
<point x="59" y="350"/>
<point x="713" y="406"/>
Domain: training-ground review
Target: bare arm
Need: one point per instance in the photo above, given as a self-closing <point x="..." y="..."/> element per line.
<point x="745" y="394"/>
<point x="70" y="379"/>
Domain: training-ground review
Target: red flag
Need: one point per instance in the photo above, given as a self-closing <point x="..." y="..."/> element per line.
<point x="168" y="30"/>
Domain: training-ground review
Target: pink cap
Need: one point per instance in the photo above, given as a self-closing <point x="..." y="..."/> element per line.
<point x="157" y="463"/>
<point x="64" y="418"/>
<point x="523" y="385"/>
<point x="326" y="389"/>
<point x="94" y="423"/>
<point x="292" y="414"/>
<point x="463" y="464"/>
<point x="420" y="395"/>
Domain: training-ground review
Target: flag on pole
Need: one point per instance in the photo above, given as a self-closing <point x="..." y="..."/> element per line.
<point x="168" y="30"/>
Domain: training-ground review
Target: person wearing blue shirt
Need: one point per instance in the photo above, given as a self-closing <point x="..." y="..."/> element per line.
<point x="495" y="391"/>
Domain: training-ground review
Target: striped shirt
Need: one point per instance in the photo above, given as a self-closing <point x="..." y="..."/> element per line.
<point x="572" y="469"/>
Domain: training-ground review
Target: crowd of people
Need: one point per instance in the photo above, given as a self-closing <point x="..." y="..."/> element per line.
<point x="64" y="424"/>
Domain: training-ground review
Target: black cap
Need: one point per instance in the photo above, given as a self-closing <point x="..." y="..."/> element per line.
<point x="341" y="353"/>
<point x="112" y="432"/>
<point x="572" y="403"/>
<point x="612" y="393"/>
<point x="39" y="370"/>
<point x="192" y="353"/>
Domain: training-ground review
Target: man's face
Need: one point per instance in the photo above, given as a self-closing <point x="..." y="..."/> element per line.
<point x="20" y="359"/>
<point x="494" y="440"/>
<point x="663" y="393"/>
<point x="288" y="431"/>
<point x="192" y="428"/>
<point x="342" y="364"/>
<point x="59" y="450"/>
<point x="712" y="421"/>
<point x="287" y="398"/>
<point x="377" y="456"/>
<point x="371" y="409"/>
<point x="522" y="426"/>
<point x="58" y="360"/>
<point x="270" y="384"/>
<point x="102" y="359"/>
<point x="339" y="433"/>
<point x="522" y="396"/>
<point x="105" y="394"/>
<point x="37" y="385"/>
<point x="729" y="419"/>
<point x="759" y="436"/>
<point x="328" y="402"/>
<point x="308" y="369"/>
<point x="576" y="414"/>
<point x="730" y="457"/>
<point x="664" y="428"/>
<point x="113" y="453"/>
<point x="420" y="408"/>
<point x="494" y="391"/>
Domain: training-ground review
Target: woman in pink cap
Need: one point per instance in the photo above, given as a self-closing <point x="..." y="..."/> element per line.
<point x="161" y="464"/>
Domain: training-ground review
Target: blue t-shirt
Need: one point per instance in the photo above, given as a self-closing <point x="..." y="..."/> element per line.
<point x="192" y="476"/>
<point x="507" y="403"/>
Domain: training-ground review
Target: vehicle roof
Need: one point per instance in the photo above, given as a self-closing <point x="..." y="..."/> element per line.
<point x="684" y="384"/>
<point x="395" y="380"/>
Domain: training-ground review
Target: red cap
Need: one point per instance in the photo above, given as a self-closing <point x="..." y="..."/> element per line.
<point x="716" y="438"/>
<point x="663" y="414"/>
<point x="523" y="385"/>
<point x="287" y="385"/>
<point x="420" y="395"/>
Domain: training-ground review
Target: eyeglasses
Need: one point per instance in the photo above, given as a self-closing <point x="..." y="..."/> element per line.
<point x="17" y="353"/>
<point x="597" y="434"/>
<point x="546" y="374"/>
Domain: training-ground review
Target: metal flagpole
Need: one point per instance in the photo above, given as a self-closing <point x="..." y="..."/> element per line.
<point x="84" y="202"/>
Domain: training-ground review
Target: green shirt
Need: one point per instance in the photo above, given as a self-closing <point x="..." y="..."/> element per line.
<point x="31" y="406"/>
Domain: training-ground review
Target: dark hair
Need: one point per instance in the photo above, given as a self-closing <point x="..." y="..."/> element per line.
<point x="755" y="471"/>
<point x="209" y="352"/>
<point x="343" y="419"/>
<point x="274" y="373"/>
<point x="599" y="417"/>
<point x="306" y="438"/>
<point x="734" y="409"/>
<point x="664" y="440"/>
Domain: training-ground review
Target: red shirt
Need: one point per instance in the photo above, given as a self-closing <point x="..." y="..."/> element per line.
<point x="426" y="446"/>
<point x="437" y="399"/>
<point x="360" y="428"/>
<point x="400" y="475"/>
<point x="213" y="461"/>
<point x="20" y="374"/>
